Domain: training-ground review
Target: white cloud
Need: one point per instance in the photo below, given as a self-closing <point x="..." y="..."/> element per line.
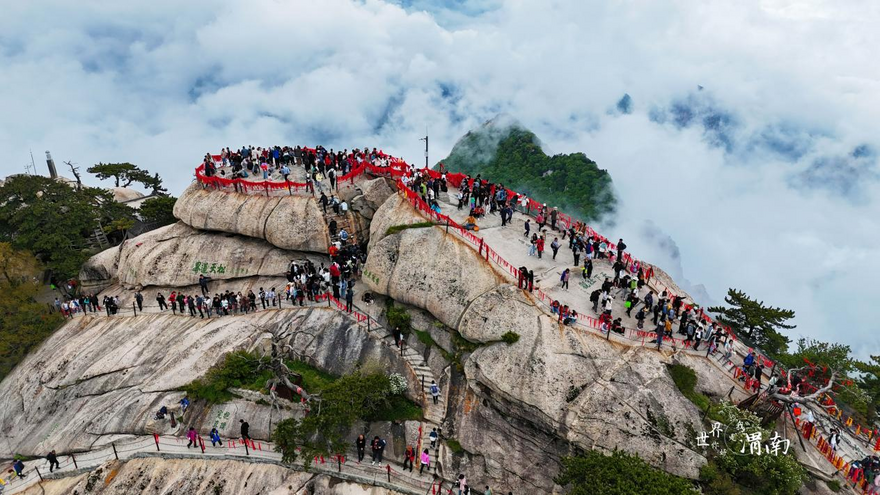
<point x="160" y="83"/>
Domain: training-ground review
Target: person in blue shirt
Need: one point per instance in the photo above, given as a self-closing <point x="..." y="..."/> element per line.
<point x="215" y="438"/>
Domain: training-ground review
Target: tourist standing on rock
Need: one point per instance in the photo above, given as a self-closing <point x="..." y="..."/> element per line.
<point x="245" y="430"/>
<point x="528" y="227"/>
<point x="53" y="461"/>
<point x="435" y="391"/>
<point x="215" y="438"/>
<point x="349" y="299"/>
<point x="191" y="305"/>
<point x="425" y="461"/>
<point x="620" y="248"/>
<point x="588" y="267"/>
<point x="18" y="467"/>
<point x="564" y="278"/>
<point x="203" y="283"/>
<point x="193" y="437"/>
<point x="378" y="448"/>
<point x="139" y="299"/>
<point x="462" y="484"/>
<point x="555" y="246"/>
<point x="531" y="280"/>
<point x="409" y="457"/>
<point x="161" y="300"/>
<point x="488" y="490"/>
<point x="433" y="436"/>
<point x="398" y="336"/>
<point x="361" y="445"/>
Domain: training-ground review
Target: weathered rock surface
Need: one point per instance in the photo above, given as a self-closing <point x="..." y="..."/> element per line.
<point x="123" y="194"/>
<point x="159" y="475"/>
<point x="582" y="390"/>
<point x="373" y="193"/>
<point x="425" y="267"/>
<point x="394" y="211"/>
<point x="288" y="222"/>
<point x="98" y="378"/>
<point x="589" y="391"/>
<point x="99" y="270"/>
<point x="176" y="254"/>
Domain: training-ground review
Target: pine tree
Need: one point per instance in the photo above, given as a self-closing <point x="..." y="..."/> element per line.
<point x="757" y="321"/>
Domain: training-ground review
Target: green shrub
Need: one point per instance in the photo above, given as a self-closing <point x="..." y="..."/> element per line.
<point x="462" y="344"/>
<point x="313" y="379"/>
<point x="685" y="380"/>
<point x="398" y="408"/>
<point x="716" y="482"/>
<point x="760" y="474"/>
<point x="510" y="337"/>
<point x="400" y="228"/>
<point x="237" y="370"/>
<point x="617" y="474"/>
<point x="398" y="318"/>
<point x="424" y="337"/>
<point x="833" y="485"/>
<point x="358" y="395"/>
<point x="454" y="446"/>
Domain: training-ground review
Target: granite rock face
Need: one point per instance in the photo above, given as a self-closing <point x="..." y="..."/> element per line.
<point x="559" y="382"/>
<point x="98" y="379"/>
<point x="294" y="223"/>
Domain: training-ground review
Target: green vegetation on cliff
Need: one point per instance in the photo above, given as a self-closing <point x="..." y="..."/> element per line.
<point x="513" y="156"/>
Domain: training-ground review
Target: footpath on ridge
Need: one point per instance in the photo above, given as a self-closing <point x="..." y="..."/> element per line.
<point x="345" y="467"/>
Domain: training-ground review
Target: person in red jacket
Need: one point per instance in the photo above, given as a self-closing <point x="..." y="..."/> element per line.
<point x="409" y="457"/>
<point x="540" y="245"/>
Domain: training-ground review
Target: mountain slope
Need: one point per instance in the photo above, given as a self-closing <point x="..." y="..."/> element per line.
<point x="512" y="155"/>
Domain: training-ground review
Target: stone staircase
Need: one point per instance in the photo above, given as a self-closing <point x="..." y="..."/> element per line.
<point x="434" y="414"/>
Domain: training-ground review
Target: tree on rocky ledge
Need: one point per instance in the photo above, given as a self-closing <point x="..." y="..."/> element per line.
<point x="757" y="321"/>
<point x="56" y="222"/>
<point x="159" y="210"/>
<point x="123" y="173"/>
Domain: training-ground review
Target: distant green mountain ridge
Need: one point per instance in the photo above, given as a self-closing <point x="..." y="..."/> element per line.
<point x="512" y="155"/>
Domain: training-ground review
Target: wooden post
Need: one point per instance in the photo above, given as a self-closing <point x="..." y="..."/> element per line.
<point x="339" y="462"/>
<point x="74" y="461"/>
<point x="388" y="468"/>
<point x="115" y="454"/>
<point x="133" y="308"/>
<point x="38" y="473"/>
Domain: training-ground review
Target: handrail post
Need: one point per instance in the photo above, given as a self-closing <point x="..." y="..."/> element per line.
<point x="74" y="461"/>
<point x="115" y="454"/>
<point x="38" y="472"/>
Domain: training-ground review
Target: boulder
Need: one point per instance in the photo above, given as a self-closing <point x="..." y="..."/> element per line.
<point x="288" y="222"/>
<point x="99" y="270"/>
<point x="394" y="211"/>
<point x="123" y="194"/>
<point x="373" y="194"/>
<point x="176" y="254"/>
<point x="427" y="268"/>
<point x="589" y="391"/>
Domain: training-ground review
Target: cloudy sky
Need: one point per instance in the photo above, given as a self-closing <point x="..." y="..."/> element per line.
<point x="748" y="142"/>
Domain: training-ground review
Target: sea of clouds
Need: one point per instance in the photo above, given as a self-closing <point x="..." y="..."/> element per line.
<point x="744" y="153"/>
